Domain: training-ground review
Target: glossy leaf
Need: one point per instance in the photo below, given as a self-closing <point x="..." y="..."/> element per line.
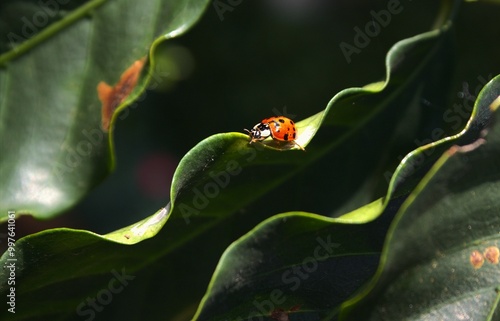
<point x="219" y="176"/>
<point x="440" y="260"/>
<point x="55" y="140"/>
<point x="307" y="265"/>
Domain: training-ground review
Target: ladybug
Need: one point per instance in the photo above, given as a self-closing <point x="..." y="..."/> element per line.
<point x="279" y="128"/>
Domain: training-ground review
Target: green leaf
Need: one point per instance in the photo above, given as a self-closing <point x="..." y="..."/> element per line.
<point x="440" y="260"/>
<point x="53" y="147"/>
<point x="269" y="269"/>
<point x="217" y="178"/>
<point x="297" y="262"/>
<point x="307" y="265"/>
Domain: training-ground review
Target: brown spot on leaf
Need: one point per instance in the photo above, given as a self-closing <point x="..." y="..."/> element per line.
<point x="476" y="259"/>
<point x="112" y="96"/>
<point x="491" y="254"/>
<point x="279" y="315"/>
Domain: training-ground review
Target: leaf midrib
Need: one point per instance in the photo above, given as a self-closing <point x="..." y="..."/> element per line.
<point x="50" y="31"/>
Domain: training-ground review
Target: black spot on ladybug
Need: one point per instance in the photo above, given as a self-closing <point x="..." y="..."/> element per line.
<point x="281" y="120"/>
<point x="291" y="122"/>
<point x="263" y="127"/>
<point x="285" y="137"/>
<point x="293" y="136"/>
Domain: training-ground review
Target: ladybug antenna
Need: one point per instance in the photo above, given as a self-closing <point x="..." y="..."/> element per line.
<point x="249" y="134"/>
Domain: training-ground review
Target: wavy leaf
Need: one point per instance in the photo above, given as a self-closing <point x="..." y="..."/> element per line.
<point x="306" y="265"/>
<point x="218" y="177"/>
<point x="443" y="243"/>
<point x="55" y="141"/>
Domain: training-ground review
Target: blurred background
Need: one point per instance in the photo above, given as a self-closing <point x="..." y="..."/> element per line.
<point x="248" y="61"/>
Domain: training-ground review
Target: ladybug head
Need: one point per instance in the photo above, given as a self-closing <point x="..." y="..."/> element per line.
<point x="259" y="132"/>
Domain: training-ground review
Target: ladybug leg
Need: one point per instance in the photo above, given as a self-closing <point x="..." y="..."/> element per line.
<point x="253" y="135"/>
<point x="299" y="146"/>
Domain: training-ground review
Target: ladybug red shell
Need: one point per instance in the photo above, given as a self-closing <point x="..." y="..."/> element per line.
<point x="279" y="128"/>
